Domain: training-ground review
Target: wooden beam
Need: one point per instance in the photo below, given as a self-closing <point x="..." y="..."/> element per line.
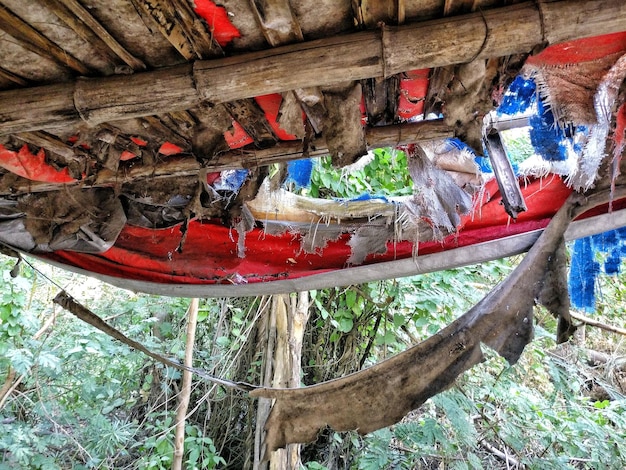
<point x="325" y="62"/>
<point x="454" y="7"/>
<point x="87" y="27"/>
<point x="385" y="136"/>
<point x="36" y="42"/>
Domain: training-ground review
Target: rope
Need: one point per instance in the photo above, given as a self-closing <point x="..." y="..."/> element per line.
<point x="83" y="313"/>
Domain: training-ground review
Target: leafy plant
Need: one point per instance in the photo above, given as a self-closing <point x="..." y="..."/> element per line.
<point x="374" y="178"/>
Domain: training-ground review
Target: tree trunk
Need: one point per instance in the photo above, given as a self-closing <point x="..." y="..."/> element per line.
<point x="285" y="331"/>
<point x="185" y="392"/>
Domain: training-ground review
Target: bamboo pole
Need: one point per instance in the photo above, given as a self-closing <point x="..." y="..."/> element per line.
<point x="77" y="17"/>
<point x="325" y="62"/>
<point x="185" y="392"/>
<point x="385" y="136"/>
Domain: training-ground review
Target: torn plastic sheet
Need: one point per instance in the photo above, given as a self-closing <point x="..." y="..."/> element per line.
<point x="210" y="254"/>
<point x="32" y="166"/>
<point x="86" y="221"/>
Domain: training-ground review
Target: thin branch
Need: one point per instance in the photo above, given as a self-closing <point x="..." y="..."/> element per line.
<point x="8" y="386"/>
<point x="185" y="393"/>
<point x="591" y="322"/>
<point x="508" y="459"/>
<point x="67" y="302"/>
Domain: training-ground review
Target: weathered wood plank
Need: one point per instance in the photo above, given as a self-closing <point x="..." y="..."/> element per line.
<point x="459" y="39"/>
<point x="327" y="62"/>
<point x="143" y="94"/>
<point x="53" y="144"/>
<point x="455" y="7"/>
<point x="182" y="28"/>
<point x="36" y="42"/>
<point x="196" y="31"/>
<point x="381" y="99"/>
<point x="87" y="27"/>
<point x="370" y="12"/>
<point x="564" y="21"/>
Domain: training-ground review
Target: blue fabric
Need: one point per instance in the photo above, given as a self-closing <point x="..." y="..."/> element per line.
<point x="366" y="197"/>
<point x="520" y="96"/>
<point x="299" y="172"/>
<point x="484" y="164"/>
<point x="482" y="161"/>
<point x="546" y="136"/>
<point x="582" y="277"/>
<point x="585" y="269"/>
<point x="457" y="143"/>
<point x="231" y="180"/>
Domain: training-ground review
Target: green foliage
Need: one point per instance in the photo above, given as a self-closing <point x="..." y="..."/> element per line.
<point x="374" y="178"/>
<point x="85" y="401"/>
<point x="517" y="143"/>
<point x="157" y="450"/>
<point x="495" y="406"/>
<point x="80" y="401"/>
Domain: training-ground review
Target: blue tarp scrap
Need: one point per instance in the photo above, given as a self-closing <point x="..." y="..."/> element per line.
<point x="231" y="180"/>
<point x="299" y="172"/>
<point x="549" y="139"/>
<point x="366" y="197"/>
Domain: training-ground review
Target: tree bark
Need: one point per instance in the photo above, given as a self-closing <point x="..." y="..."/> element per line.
<point x="286" y="323"/>
<point x="185" y="392"/>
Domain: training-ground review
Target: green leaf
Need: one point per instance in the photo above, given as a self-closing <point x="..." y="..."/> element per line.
<point x="194" y="455"/>
<point x="350" y="298"/>
<point x="21" y="360"/>
<point x="345" y="325"/>
<point x="48" y="360"/>
<point x="203" y="315"/>
<point x="474" y="461"/>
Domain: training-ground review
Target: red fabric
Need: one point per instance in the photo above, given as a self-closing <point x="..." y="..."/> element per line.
<point x="581" y="50"/>
<point x="413" y="89"/>
<point x="33" y="167"/>
<point x="127" y="155"/>
<point x="270" y="104"/>
<point x="238" y="137"/>
<point x="168" y="148"/>
<point x="216" y="17"/>
<point x="209" y="254"/>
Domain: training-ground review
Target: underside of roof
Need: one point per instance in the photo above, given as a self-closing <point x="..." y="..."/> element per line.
<point x="125" y="126"/>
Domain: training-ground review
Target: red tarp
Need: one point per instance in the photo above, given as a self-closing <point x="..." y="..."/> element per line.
<point x="209" y="252"/>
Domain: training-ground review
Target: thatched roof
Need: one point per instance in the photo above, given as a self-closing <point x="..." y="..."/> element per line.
<point x="128" y="107"/>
